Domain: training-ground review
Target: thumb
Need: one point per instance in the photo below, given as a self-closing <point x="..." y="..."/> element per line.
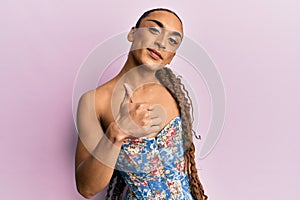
<point x="128" y="93"/>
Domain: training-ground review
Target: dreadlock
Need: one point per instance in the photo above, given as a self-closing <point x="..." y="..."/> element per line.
<point x="180" y="94"/>
<point x="173" y="83"/>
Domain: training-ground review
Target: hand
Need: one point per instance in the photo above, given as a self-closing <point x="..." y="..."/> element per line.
<point x="139" y="119"/>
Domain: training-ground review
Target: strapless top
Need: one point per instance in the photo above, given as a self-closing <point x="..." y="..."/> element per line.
<point x="154" y="168"/>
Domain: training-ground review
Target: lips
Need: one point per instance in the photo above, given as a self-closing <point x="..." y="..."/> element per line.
<point x="155" y="54"/>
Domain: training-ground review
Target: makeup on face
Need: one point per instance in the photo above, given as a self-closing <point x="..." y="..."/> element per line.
<point x="157" y="38"/>
<point x="158" y="29"/>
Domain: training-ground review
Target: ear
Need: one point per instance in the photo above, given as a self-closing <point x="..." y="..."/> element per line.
<point x="130" y="35"/>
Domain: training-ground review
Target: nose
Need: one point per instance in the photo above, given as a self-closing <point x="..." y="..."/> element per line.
<point x="160" y="42"/>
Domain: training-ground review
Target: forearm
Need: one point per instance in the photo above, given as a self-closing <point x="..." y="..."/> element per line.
<point x="95" y="172"/>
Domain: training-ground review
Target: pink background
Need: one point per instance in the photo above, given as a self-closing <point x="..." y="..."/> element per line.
<point x="253" y="43"/>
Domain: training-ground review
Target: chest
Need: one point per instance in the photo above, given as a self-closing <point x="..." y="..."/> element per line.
<point x="150" y="94"/>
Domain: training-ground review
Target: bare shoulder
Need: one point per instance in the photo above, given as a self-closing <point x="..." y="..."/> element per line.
<point x="103" y="95"/>
<point x="96" y="99"/>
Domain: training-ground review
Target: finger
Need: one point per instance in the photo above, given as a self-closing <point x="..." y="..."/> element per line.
<point x="142" y="106"/>
<point x="151" y="129"/>
<point x="157" y="121"/>
<point x="129" y="126"/>
<point x="152" y="114"/>
<point x="156" y="108"/>
<point x="128" y="93"/>
<point x="157" y="113"/>
<point x="151" y="107"/>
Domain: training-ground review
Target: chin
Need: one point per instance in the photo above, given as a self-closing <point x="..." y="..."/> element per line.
<point x="153" y="66"/>
<point x="146" y="61"/>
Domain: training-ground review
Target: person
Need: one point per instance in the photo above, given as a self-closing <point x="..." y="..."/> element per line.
<point x="135" y="131"/>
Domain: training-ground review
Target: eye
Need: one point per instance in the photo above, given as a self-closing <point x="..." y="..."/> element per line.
<point x="154" y="30"/>
<point x="173" y="41"/>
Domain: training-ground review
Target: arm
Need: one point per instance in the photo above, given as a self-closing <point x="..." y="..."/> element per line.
<point x="96" y="154"/>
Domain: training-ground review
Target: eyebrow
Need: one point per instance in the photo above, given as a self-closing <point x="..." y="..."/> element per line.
<point x="162" y="26"/>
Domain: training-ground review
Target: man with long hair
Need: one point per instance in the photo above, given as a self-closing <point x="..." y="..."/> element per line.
<point x="136" y="129"/>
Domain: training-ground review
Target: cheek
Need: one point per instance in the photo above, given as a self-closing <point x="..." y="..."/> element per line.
<point x="169" y="57"/>
<point x="139" y="44"/>
<point x="139" y="55"/>
<point x="142" y="41"/>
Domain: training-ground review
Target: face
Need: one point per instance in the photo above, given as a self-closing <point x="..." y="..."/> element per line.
<point x="155" y="42"/>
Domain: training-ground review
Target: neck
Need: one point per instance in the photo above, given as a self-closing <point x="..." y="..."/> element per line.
<point x="135" y="74"/>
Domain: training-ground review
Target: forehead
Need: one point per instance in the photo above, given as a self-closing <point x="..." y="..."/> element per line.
<point x="169" y="20"/>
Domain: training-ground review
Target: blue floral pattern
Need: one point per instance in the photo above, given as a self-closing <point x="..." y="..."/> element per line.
<point x="154" y="168"/>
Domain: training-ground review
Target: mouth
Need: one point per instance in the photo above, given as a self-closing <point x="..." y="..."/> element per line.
<point x="155" y="54"/>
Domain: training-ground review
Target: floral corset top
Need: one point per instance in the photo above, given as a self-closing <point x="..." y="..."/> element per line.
<point x="154" y="168"/>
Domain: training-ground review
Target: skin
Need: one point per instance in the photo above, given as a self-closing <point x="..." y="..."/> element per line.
<point x="131" y="101"/>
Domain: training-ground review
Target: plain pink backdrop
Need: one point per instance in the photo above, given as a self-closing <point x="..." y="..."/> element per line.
<point x="255" y="45"/>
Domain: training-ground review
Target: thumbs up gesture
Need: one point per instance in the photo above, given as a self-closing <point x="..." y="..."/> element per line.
<point x="139" y="119"/>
